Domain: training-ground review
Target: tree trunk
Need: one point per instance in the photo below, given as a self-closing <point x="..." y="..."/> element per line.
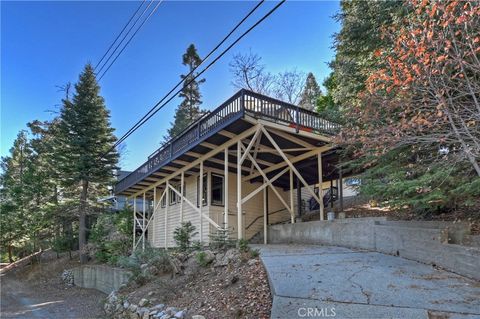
<point x="82" y="229"/>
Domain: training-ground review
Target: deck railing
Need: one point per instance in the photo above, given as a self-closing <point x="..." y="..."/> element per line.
<point x="244" y="101"/>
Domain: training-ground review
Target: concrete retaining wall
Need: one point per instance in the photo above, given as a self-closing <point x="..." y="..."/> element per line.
<point x="100" y="277"/>
<point x="427" y="242"/>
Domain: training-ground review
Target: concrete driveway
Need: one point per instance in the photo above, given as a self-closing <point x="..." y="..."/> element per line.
<point x="325" y="281"/>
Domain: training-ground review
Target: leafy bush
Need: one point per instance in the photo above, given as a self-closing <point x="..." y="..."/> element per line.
<point x="243" y="245"/>
<point x="220" y="240"/>
<point x="183" y="235"/>
<point x="254" y="253"/>
<point x="111" y="236"/>
<point x="201" y="258"/>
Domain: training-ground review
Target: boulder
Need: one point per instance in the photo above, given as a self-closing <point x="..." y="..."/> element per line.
<point x="180" y="314"/>
<point x="143" y="302"/>
<point x="198" y="317"/>
<point x="132" y="308"/>
<point x="159" y="306"/>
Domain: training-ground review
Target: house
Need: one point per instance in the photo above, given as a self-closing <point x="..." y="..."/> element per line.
<point x="252" y="162"/>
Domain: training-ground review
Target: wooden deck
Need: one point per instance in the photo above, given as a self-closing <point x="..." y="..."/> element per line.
<point x="243" y="103"/>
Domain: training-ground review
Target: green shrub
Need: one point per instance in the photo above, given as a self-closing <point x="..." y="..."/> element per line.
<point x="243" y="245"/>
<point x="220" y="240"/>
<point x="254" y="253"/>
<point x="197" y="245"/>
<point x="201" y="258"/>
<point x="183" y="235"/>
<point x="111" y="236"/>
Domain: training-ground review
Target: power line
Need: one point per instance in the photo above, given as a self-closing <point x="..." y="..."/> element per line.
<point x="194" y="69"/>
<point x="129" y="40"/>
<point x="157" y="108"/>
<point x="118" y="36"/>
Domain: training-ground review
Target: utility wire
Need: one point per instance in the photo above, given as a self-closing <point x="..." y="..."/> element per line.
<point x="195" y="68"/>
<point x="118" y="36"/>
<point x="153" y="112"/>
<point x="129" y="40"/>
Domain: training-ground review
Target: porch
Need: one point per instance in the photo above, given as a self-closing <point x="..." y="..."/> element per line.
<point x="261" y="160"/>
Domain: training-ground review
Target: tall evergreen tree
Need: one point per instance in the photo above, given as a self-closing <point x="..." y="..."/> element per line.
<point x="88" y="158"/>
<point x="189" y="110"/>
<point x="311" y="93"/>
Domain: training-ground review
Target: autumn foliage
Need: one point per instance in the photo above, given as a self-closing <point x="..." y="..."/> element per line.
<point x="422" y="101"/>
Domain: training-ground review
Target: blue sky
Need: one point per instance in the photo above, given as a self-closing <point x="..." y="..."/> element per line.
<point x="45" y="44"/>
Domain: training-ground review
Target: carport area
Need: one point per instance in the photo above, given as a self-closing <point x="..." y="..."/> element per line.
<point x="328" y="281"/>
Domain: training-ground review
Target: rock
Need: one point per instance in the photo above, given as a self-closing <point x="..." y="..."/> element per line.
<point x="224" y="259"/>
<point x="67" y="277"/>
<point x="171" y="310"/>
<point x="198" y="317"/>
<point x="141" y="311"/>
<point x="180" y="314"/>
<point x="143" y="266"/>
<point x="252" y="262"/>
<point x="160" y="314"/>
<point x="126" y="304"/>
<point x="146" y="315"/>
<point x="151" y="293"/>
<point x="133" y="308"/>
<point x="143" y="302"/>
<point x="209" y="256"/>
<point x="153" y="312"/>
<point x="159" y="307"/>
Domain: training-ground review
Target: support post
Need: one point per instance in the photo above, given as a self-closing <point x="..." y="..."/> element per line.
<point x="182" y="191"/>
<point x="134" y="221"/>
<point x="331" y="194"/>
<point x="265" y="214"/>
<point x="225" y="192"/>
<point x="320" y="189"/>
<point x="299" y="198"/>
<point x="143" y="221"/>
<point x="340" y="188"/>
<point x="201" y="200"/>
<point x="167" y="203"/>
<point x="239" y="190"/>
<point x="292" y="216"/>
<point x="153" y="215"/>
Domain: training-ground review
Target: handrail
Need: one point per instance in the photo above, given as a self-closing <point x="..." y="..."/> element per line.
<point x="235" y="107"/>
<point x="261" y="216"/>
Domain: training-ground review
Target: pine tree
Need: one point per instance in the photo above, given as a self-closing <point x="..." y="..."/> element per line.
<point x="189" y="110"/>
<point x="88" y="158"/>
<point x="311" y="93"/>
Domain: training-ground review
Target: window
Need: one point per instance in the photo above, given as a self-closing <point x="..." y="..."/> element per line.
<point x="173" y="196"/>
<point x="217" y="190"/>
<point x="179" y="190"/>
<point x="204" y="190"/>
<point x="164" y="201"/>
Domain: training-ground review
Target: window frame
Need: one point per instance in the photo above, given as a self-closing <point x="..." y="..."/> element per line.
<point x="222" y="189"/>
<point x="205" y="186"/>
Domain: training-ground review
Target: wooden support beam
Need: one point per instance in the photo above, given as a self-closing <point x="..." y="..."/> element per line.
<point x="291" y="195"/>
<point x="292" y="167"/>
<point x="153" y="216"/>
<point x="182" y="190"/>
<point x="292" y="138"/>
<point x="262" y="173"/>
<point x="284" y="128"/>
<point x="292" y="160"/>
<point x="134" y="221"/>
<point x="225" y="190"/>
<point x="320" y="185"/>
<point x="201" y="200"/>
<point x="166" y="212"/>
<point x="143" y="222"/>
<point x="211" y="153"/>
<point x="239" y="191"/>
<point x="265" y="212"/>
<point x="259" y="189"/>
